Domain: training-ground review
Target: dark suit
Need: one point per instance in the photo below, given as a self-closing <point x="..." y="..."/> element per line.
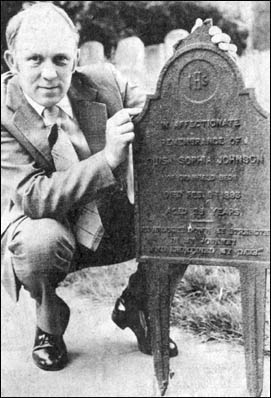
<point x="35" y="190"/>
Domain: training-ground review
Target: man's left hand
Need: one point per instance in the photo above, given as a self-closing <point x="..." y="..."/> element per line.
<point x="221" y="39"/>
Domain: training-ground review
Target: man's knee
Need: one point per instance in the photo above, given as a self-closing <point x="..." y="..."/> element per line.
<point x="42" y="246"/>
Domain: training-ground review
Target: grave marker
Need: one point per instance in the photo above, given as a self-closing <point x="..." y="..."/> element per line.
<point x="202" y="187"/>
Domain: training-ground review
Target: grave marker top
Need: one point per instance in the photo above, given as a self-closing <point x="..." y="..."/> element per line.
<point x="202" y="163"/>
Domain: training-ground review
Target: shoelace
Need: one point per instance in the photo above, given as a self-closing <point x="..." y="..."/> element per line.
<point x="46" y="340"/>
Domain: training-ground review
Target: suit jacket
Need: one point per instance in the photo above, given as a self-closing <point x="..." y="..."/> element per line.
<point x="30" y="184"/>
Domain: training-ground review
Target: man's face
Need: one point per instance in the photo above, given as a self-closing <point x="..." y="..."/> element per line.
<point x="45" y="57"/>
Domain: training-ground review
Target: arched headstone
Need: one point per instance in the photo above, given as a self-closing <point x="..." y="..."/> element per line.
<point x="202" y="179"/>
<point x="154" y="61"/>
<point x="91" y="52"/>
<point x="172" y="38"/>
<point x="129" y="58"/>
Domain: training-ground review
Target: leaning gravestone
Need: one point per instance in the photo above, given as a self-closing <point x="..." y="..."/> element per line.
<point x="202" y="188"/>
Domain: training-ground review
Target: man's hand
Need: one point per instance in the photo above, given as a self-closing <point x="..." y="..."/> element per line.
<point x="119" y="134"/>
<point x="219" y="38"/>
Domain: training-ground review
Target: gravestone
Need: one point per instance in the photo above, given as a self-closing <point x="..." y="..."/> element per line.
<point x="129" y="58"/>
<point x="154" y="61"/>
<point x="91" y="52"/>
<point x="172" y="38"/>
<point x="202" y="188"/>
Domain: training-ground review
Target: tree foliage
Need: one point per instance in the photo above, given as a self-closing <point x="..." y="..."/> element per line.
<point x="110" y="21"/>
<point x="8" y="9"/>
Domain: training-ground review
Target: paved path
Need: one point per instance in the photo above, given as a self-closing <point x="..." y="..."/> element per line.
<point x="105" y="362"/>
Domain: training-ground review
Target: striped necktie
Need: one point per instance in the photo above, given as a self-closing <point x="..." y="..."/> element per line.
<point x="88" y="227"/>
<point x="56" y="115"/>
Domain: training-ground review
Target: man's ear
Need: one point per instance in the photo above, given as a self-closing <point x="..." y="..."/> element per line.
<point x="10" y="61"/>
<point x="76" y="60"/>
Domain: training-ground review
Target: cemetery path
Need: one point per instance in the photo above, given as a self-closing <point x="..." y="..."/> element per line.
<point x="105" y="362"/>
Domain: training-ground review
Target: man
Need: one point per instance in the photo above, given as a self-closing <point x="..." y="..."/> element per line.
<point x="65" y="138"/>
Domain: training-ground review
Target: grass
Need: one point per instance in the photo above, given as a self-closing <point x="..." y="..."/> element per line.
<point x="102" y="284"/>
<point x="207" y="301"/>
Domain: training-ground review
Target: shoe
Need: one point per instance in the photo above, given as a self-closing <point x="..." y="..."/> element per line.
<point x="126" y="313"/>
<point x="49" y="351"/>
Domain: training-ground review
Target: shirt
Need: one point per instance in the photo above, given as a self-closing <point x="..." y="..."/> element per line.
<point x="74" y="132"/>
<point x="64" y="104"/>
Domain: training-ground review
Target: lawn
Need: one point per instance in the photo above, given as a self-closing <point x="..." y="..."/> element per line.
<point x="207" y="301"/>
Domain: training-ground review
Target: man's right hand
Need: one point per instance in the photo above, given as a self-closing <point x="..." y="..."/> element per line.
<point x="119" y="134"/>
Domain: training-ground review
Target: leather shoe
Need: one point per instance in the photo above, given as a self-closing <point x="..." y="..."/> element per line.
<point x="127" y="313"/>
<point x="49" y="351"/>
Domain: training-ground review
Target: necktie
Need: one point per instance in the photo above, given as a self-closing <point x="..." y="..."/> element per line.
<point x="50" y="115"/>
<point x="88" y="227"/>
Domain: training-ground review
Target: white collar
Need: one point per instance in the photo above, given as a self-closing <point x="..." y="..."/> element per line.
<point x="64" y="104"/>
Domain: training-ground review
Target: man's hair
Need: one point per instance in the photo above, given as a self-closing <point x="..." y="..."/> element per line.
<point x="35" y="10"/>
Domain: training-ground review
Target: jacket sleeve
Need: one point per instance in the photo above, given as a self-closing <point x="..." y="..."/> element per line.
<point x="40" y="195"/>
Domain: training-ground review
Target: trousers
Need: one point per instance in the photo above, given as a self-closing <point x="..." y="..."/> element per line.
<point x="44" y="251"/>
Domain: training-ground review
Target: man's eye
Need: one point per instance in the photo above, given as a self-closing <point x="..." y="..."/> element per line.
<point x="35" y="59"/>
<point x="61" y="60"/>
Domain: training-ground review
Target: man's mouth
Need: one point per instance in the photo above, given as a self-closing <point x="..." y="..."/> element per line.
<point x="49" y="88"/>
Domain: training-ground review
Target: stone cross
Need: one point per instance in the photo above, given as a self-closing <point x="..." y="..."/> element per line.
<point x="202" y="188"/>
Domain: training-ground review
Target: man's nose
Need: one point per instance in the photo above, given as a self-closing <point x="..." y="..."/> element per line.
<point x="48" y="71"/>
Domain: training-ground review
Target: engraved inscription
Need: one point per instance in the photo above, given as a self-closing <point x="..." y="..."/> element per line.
<point x="253" y="160"/>
<point x="227" y="195"/>
<point x="200" y="123"/>
<point x="240" y="159"/>
<point x="202" y="141"/>
<point x="200" y="195"/>
<point x="198" y="80"/>
<point x="202" y="177"/>
<point x="218" y="231"/>
<point x="201" y="212"/>
<point x="199" y="251"/>
<point x="202" y="166"/>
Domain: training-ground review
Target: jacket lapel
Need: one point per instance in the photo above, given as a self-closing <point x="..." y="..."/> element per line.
<point x="29" y="124"/>
<point x="91" y="115"/>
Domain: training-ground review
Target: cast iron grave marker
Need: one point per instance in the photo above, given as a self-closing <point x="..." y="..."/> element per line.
<point x="202" y="188"/>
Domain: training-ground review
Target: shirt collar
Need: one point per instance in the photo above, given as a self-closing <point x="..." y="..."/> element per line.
<point x="64" y="104"/>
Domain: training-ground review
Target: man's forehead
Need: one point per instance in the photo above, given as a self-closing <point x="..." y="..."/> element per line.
<point x="54" y="26"/>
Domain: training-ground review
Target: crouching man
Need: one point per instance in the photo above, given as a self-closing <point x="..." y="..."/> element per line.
<point x="65" y="138"/>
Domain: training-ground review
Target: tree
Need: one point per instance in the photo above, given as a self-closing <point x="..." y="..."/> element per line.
<point x="110" y="21"/>
<point x="8" y="9"/>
